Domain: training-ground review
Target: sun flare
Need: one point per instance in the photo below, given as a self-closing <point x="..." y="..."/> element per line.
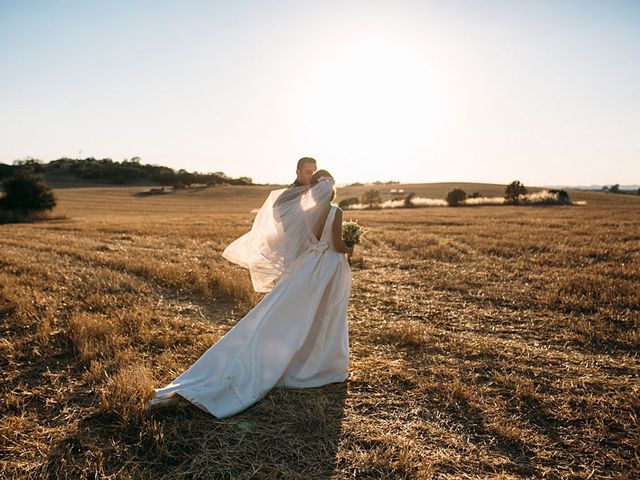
<point x="375" y="87"/>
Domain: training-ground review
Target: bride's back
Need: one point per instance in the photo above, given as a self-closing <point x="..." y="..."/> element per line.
<point x="322" y="220"/>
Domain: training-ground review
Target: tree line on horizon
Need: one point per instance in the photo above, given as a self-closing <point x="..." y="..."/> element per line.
<point x="515" y="194"/>
<point x="125" y="172"/>
<point x="616" y="189"/>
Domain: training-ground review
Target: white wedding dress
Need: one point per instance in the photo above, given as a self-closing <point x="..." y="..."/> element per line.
<point x="296" y="336"/>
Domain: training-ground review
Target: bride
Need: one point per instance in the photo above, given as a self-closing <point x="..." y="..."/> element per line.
<point x="296" y="336"/>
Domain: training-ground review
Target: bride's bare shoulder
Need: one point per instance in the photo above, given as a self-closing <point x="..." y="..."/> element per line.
<point x="337" y="218"/>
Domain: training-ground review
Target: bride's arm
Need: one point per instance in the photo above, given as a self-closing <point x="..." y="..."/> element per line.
<point x="337" y="234"/>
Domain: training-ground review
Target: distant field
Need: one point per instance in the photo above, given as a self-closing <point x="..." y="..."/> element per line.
<point x="90" y="200"/>
<point x="486" y="342"/>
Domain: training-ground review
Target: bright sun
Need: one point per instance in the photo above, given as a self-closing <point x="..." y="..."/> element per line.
<point x="375" y="94"/>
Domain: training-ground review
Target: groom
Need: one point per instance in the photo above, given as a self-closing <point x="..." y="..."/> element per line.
<point x="304" y="171"/>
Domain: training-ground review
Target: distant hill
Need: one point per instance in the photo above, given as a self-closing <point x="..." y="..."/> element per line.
<point x="71" y="171"/>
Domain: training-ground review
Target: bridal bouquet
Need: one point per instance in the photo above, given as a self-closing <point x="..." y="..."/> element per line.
<point x="351" y="233"/>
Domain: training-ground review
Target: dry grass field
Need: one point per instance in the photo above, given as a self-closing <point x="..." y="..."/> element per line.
<point x="486" y="342"/>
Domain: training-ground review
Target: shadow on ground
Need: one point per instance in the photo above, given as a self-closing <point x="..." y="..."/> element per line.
<point x="291" y="433"/>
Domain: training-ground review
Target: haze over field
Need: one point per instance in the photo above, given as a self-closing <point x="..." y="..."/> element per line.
<point x="545" y="92"/>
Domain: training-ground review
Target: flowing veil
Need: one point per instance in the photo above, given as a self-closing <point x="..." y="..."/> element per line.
<point x="282" y="230"/>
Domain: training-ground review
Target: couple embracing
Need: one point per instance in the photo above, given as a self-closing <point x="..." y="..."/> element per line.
<point x="297" y="335"/>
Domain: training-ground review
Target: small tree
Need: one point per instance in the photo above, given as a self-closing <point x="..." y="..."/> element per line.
<point x="514" y="191"/>
<point x="614" y="188"/>
<point x="26" y="193"/>
<point x="371" y="198"/>
<point x="456" y="196"/>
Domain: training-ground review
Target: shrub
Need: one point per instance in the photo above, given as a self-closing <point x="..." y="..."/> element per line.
<point x="347" y="202"/>
<point x="240" y="181"/>
<point x="514" y="191"/>
<point x="30" y="164"/>
<point x="563" y="196"/>
<point x="371" y="198"/>
<point x="455" y="197"/>
<point x="6" y="170"/>
<point x="25" y="192"/>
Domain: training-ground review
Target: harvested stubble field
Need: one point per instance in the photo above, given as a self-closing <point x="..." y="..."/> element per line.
<point x="486" y="342"/>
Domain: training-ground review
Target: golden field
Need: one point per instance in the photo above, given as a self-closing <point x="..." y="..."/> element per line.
<point x="486" y="342"/>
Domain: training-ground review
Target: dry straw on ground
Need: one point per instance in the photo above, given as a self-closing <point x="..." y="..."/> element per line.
<point x="493" y="342"/>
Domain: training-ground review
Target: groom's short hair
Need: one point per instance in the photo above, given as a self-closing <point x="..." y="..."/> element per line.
<point x="304" y="160"/>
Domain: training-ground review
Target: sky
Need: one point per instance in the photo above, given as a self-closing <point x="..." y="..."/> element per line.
<point x="543" y="91"/>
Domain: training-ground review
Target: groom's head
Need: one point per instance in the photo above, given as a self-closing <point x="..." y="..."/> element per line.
<point x="305" y="169"/>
